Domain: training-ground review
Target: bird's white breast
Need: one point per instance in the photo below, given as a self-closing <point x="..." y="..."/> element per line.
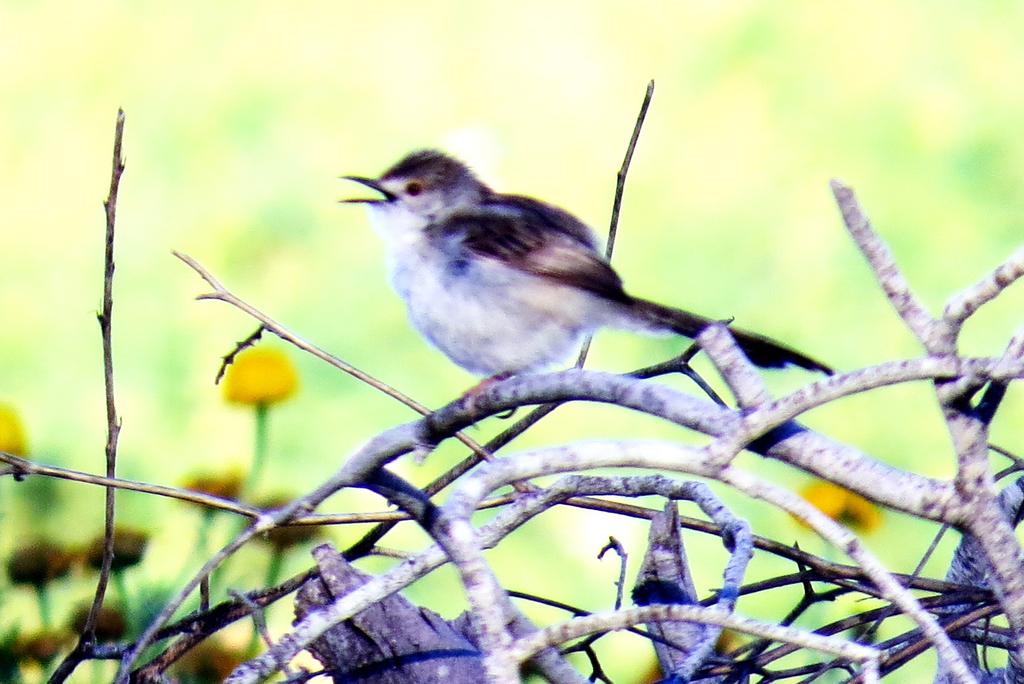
<point x="484" y="315"/>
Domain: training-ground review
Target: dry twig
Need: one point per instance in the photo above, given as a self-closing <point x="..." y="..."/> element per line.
<point x="105" y="316"/>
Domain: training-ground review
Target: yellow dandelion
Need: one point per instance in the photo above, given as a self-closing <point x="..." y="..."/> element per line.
<point x="260" y="376"/>
<point x="12" y="436"/>
<point x="843" y="506"/>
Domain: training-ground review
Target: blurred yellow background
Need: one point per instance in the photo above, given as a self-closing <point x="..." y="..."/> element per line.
<point x="241" y="115"/>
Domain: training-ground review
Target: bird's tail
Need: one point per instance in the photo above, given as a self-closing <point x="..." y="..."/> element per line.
<point x="761" y="350"/>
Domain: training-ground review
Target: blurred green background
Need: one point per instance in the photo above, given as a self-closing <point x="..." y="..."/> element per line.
<point x="241" y="115"/>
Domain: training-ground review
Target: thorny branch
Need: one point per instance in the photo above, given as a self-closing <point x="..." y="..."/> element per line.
<point x="242" y="345"/>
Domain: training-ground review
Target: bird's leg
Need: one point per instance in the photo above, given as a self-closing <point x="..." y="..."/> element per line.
<point x="470" y="397"/>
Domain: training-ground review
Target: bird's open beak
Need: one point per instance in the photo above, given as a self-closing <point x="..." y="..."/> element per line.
<point x="373" y="185"/>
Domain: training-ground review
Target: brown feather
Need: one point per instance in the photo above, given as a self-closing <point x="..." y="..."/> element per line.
<point x="517" y="239"/>
<point x="538" y="238"/>
<point x="762" y="351"/>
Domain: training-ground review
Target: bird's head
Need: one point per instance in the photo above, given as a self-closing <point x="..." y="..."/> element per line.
<point x="427" y="184"/>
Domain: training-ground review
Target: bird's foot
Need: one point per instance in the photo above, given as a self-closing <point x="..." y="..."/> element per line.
<point x="472" y="395"/>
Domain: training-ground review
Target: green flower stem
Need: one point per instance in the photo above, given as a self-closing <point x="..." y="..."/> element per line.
<point x="203" y="533"/>
<point x="259" y="455"/>
<point x="43" y="598"/>
<point x="118" y="580"/>
<point x="273" y="572"/>
<point x="202" y="544"/>
<point x="274" y="567"/>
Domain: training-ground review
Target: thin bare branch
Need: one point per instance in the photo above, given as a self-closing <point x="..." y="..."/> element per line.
<point x="630" y="617"/>
<point x="963" y="304"/>
<point x="20" y="467"/>
<point x="620" y="178"/>
<point x="736" y="369"/>
<point x="481" y="585"/>
<point x="223" y="294"/>
<point x="620" y="551"/>
<point x="887" y="273"/>
<point x="620" y="189"/>
<point x="113" y="422"/>
<point x="229" y="358"/>
<point x="357" y="469"/>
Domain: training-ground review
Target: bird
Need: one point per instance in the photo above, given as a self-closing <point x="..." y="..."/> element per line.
<point x="505" y="284"/>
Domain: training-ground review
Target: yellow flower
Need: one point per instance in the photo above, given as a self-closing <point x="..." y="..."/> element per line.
<point x="843" y="506"/>
<point x="211" y="661"/>
<point x="728" y="641"/>
<point x="37" y="562"/>
<point x="283" y="538"/>
<point x="129" y="548"/>
<point x="226" y="485"/>
<point x="260" y="376"/>
<point x="111" y="624"/>
<point x="40" y="647"/>
<point x="12" y="437"/>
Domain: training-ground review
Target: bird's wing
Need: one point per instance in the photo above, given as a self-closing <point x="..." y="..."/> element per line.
<point x="534" y="238"/>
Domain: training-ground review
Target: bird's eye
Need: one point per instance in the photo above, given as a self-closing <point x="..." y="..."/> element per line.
<point x="413" y="188"/>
